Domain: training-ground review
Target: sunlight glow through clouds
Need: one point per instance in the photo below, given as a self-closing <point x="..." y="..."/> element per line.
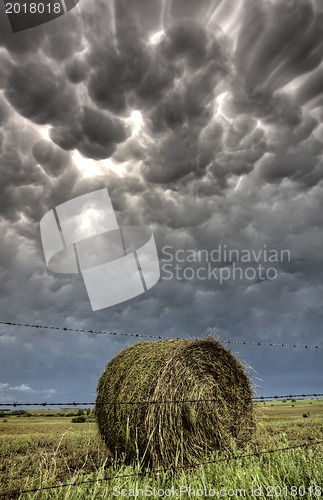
<point x="89" y="167"/>
<point x="43" y="130"/>
<point x="156" y="38"/>
<point x="220" y="100"/>
<point x="136" y="121"/>
<point x="92" y="168"/>
<point x="117" y="167"/>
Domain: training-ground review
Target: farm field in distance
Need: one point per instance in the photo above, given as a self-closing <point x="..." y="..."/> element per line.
<point x="46" y="449"/>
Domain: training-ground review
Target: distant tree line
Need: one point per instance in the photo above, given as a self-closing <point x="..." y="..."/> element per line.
<point x="80" y="415"/>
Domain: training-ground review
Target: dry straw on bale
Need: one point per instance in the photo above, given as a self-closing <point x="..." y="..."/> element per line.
<point x="174" y="370"/>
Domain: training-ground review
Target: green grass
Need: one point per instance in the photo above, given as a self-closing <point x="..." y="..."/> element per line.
<point x="40" y="451"/>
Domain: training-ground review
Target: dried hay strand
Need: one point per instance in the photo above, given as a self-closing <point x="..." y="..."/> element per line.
<point x="165" y="432"/>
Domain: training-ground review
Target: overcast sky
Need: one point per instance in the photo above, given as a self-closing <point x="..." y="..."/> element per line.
<point x="203" y="121"/>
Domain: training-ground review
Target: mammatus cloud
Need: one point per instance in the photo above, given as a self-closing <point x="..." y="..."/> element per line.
<point x="203" y="119"/>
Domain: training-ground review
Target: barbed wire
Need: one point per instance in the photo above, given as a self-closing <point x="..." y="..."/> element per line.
<point x="155" y="402"/>
<point x="161" y="470"/>
<point x="271" y="344"/>
<point x="83" y="330"/>
<point x="289" y="396"/>
<point x="159" y="337"/>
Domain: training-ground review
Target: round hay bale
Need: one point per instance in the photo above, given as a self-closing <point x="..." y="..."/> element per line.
<point x="165" y="432"/>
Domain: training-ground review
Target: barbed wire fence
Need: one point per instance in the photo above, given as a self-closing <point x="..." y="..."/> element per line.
<point x="159" y="337"/>
<point x="11" y="493"/>
<point x="171" y="401"/>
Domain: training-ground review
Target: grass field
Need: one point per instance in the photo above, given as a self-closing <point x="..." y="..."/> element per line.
<point x="41" y="451"/>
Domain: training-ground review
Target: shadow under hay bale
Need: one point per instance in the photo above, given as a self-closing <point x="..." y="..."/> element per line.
<point x="174" y="370"/>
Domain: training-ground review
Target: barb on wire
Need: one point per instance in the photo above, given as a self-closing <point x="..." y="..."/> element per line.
<point x="83" y="330"/>
<point x="271" y="344"/>
<point x="155" y="402"/>
<point x="288" y="396"/>
<point x="161" y="470"/>
<point x="159" y="337"/>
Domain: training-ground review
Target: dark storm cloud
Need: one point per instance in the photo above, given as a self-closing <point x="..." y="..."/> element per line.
<point x="94" y="134"/>
<point x="5" y="64"/>
<point x="175" y="11"/>
<point x="280" y="108"/>
<point x="22" y="44"/>
<point x="311" y="90"/>
<point x="34" y="173"/>
<point x="4" y="112"/>
<point x="158" y="80"/>
<point x="39" y="91"/>
<point x="40" y="94"/>
<point x="76" y="69"/>
<point x="64" y="38"/>
<point x="186" y="39"/>
<point x="19" y="171"/>
<point x="299" y="166"/>
<point x="185" y="108"/>
<point x="118" y="57"/>
<point x="278" y="42"/>
<point x="52" y="160"/>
